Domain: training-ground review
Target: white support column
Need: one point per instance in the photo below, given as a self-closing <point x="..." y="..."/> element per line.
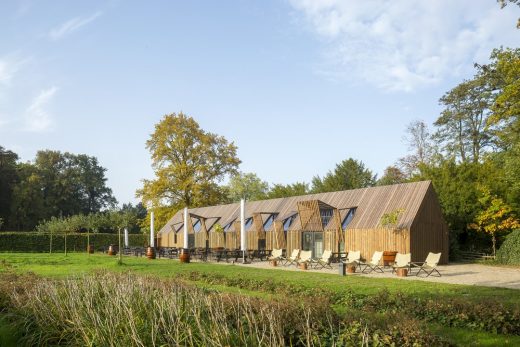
<point x="243" y="240"/>
<point x="152" y="231"/>
<point x="185" y="246"/>
<point x="126" y="237"/>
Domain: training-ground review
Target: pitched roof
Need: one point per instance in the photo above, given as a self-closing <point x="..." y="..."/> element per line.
<point x="371" y="204"/>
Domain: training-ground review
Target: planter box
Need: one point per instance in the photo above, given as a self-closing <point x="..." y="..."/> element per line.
<point x="274" y="262"/>
<point x="303" y="266"/>
<point x="389" y="257"/>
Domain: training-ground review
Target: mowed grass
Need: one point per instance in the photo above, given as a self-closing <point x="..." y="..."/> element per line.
<point x="76" y="264"/>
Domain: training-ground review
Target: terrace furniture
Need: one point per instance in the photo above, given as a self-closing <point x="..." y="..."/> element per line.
<point x="402" y="262"/>
<point x="293" y="258"/>
<point x="324" y="261"/>
<point x="305" y="257"/>
<point x="276" y="254"/>
<point x="373" y="264"/>
<point x="353" y="260"/>
<point x="430" y="265"/>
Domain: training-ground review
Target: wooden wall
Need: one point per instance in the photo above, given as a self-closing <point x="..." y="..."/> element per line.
<point x="216" y="239"/>
<point x="429" y="231"/>
<point x="380" y="239"/>
<point x="275" y="238"/>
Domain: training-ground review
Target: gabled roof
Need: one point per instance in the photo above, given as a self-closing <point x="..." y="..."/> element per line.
<point x="371" y="204"/>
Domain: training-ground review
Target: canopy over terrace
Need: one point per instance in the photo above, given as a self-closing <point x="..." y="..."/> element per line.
<point x="344" y="220"/>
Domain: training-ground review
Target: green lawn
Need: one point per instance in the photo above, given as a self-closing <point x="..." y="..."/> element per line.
<point x="57" y="265"/>
<point x="77" y="264"/>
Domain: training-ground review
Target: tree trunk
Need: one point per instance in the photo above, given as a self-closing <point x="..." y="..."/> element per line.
<point x="119" y="244"/>
<point x="493" y="238"/>
<point x="65" y="244"/>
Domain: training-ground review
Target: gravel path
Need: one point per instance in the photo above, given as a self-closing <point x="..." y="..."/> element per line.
<point x="469" y="274"/>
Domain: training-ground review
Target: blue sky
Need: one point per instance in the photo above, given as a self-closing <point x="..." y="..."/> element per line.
<point x="297" y="85"/>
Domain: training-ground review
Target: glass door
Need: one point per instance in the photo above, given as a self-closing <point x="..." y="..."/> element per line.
<point x="313" y="241"/>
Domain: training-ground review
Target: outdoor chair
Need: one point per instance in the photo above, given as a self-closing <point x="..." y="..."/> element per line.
<point x="353" y="257"/>
<point x="402" y="261"/>
<point x="373" y="264"/>
<point x="293" y="258"/>
<point x="430" y="265"/>
<point x="324" y="261"/>
<point x="276" y="254"/>
<point x="305" y="257"/>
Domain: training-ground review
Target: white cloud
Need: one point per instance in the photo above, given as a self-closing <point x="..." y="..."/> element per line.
<point x="72" y="25"/>
<point x="37" y="118"/>
<point x="403" y="45"/>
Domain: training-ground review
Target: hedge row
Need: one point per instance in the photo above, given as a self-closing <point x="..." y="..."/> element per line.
<point x="39" y="242"/>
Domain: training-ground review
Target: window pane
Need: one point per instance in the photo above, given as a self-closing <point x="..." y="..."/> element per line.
<point x="249" y="222"/>
<point x="326" y="215"/>
<point x="348" y="218"/>
<point x="268" y="222"/>
<point x="197" y="226"/>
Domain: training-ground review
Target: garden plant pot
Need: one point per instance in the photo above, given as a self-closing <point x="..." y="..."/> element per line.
<point x="274" y="263"/>
<point x="402" y="272"/>
<point x="150" y="253"/>
<point x="185" y="256"/>
<point x="90" y="249"/>
<point x="351" y="268"/>
<point x="112" y="250"/>
<point x="303" y="266"/>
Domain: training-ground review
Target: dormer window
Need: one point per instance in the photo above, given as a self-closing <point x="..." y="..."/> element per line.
<point x="326" y="216"/>
<point x="197" y="226"/>
<point x="288" y="222"/>
<point x="269" y="222"/>
<point x="249" y="223"/>
<point x="348" y="218"/>
<point x="228" y="226"/>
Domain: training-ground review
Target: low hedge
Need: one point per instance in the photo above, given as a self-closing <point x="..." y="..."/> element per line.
<point x="509" y="252"/>
<point x="39" y="242"/>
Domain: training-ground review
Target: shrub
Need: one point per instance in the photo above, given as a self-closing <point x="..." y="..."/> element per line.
<point x="39" y="242"/>
<point x="509" y="252"/>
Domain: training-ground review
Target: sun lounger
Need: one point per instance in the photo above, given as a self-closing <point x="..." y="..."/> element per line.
<point x="293" y="258"/>
<point x="373" y="264"/>
<point x="305" y="257"/>
<point x="430" y="265"/>
<point x="276" y="254"/>
<point x="402" y="261"/>
<point x="324" y="261"/>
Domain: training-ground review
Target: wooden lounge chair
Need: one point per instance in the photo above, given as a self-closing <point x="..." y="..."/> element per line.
<point x="430" y="265"/>
<point x="276" y="254"/>
<point x="324" y="261"/>
<point x="373" y="264"/>
<point x="402" y="261"/>
<point x="293" y="258"/>
<point x="305" y="257"/>
<point x="353" y="258"/>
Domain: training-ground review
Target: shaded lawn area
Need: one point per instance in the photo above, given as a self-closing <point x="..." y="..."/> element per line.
<point x="57" y="265"/>
<point x="78" y="264"/>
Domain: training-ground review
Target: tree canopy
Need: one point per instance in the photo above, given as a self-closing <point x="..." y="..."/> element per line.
<point x="188" y="163"/>
<point x="349" y="174"/>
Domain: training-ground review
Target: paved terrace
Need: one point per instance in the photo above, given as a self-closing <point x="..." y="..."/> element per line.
<point x="468" y="274"/>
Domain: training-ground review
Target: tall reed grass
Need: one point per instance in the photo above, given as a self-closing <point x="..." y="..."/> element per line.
<point x="110" y="309"/>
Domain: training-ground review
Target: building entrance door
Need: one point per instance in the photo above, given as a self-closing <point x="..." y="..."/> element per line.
<point x="313" y="241"/>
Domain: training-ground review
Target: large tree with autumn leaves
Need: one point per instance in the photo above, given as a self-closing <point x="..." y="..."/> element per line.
<point x="188" y="163"/>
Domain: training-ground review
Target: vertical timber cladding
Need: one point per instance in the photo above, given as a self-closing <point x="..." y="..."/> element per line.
<point x="216" y="239"/>
<point x="201" y="236"/>
<point x="256" y="232"/>
<point x="429" y="231"/>
<point x="377" y="239"/>
<point x="233" y="236"/>
<point x="275" y="237"/>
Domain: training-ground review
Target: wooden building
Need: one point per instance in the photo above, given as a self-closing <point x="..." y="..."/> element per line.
<point x="345" y="220"/>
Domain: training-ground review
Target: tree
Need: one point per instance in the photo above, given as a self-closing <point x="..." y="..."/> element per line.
<point x="349" y="174"/>
<point x="392" y="175"/>
<point x="28" y="206"/>
<point x="462" y="127"/>
<point x="496" y="217"/>
<point x="8" y="179"/>
<point x="188" y="162"/>
<point x="503" y="3"/>
<point x="287" y="190"/>
<point x="246" y="185"/>
<point x="420" y="145"/>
